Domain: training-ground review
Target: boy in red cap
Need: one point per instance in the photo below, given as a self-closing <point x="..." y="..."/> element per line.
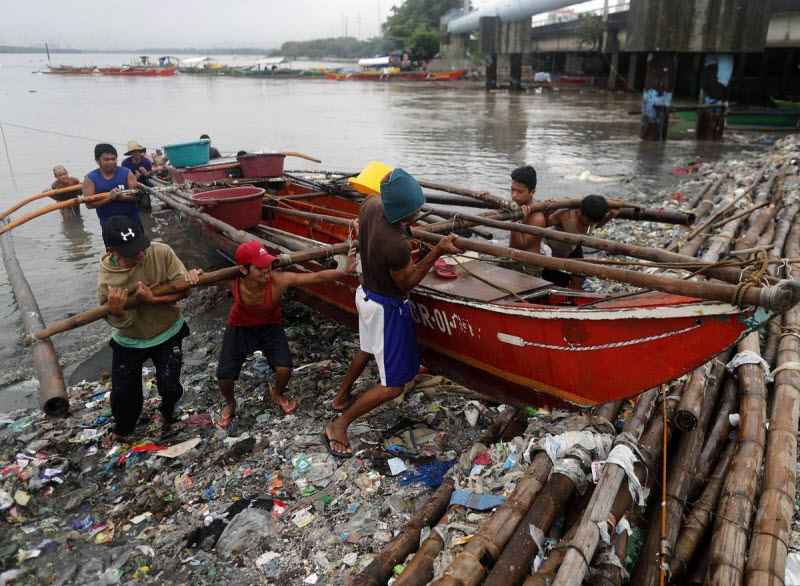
<point x="255" y="321"/>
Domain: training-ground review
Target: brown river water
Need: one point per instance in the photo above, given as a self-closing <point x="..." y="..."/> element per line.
<point x="579" y="143"/>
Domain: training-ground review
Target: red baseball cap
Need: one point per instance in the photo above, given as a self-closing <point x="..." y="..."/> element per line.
<point x="254" y="253"/>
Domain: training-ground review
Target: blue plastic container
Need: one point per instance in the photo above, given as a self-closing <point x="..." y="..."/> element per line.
<point x="187" y="154"/>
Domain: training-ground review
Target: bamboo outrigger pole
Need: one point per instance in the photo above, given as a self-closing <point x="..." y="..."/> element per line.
<point x="50" y="193"/>
<point x="779" y="298"/>
<point x="52" y="390"/>
<point x="58" y="206"/>
<point x="102" y="311"/>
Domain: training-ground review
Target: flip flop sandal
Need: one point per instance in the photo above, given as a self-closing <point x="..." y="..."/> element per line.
<point x="288" y="408"/>
<point x="224" y="422"/>
<point x="445" y="270"/>
<point x="328" y="444"/>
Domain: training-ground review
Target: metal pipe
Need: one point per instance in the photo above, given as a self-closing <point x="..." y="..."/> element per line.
<point x="506" y="11"/>
<point x="52" y="390"/>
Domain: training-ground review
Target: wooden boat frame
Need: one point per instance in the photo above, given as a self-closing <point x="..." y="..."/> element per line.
<point x="558" y="348"/>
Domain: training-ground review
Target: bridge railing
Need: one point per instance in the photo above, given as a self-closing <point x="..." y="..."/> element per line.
<point x="578" y="11"/>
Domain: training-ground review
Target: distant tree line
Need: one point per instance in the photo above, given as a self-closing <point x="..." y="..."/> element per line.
<point x="413" y="26"/>
<point x="17" y="49"/>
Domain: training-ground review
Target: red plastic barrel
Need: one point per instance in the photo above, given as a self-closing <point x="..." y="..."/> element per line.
<point x="256" y="165"/>
<point x="238" y="206"/>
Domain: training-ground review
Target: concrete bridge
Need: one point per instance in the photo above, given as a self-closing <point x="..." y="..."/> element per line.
<point x="711" y="50"/>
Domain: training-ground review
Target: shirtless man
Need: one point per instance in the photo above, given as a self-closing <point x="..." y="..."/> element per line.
<point x="63" y="180"/>
<point x="593" y="213"/>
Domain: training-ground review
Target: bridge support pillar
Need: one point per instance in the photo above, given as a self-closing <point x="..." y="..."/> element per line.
<point x="515" y="73"/>
<point x="715" y="81"/>
<point x="612" y="72"/>
<point x="657" y="96"/>
<point x="491" y="72"/>
<point x="633" y="65"/>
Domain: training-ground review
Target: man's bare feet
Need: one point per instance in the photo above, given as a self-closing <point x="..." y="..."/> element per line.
<point x="337" y="439"/>
<point x="342" y="401"/>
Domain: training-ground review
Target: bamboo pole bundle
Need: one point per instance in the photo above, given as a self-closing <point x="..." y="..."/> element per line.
<point x="768" y="549"/>
<point x="681" y="473"/>
<point x="49" y="193"/>
<point x="470" y="566"/>
<point x="704" y="290"/>
<point x="702" y="205"/>
<point x="693" y="241"/>
<point x="699" y="518"/>
<point x="514" y="562"/>
<point x="587" y="535"/>
<point x="691" y="400"/>
<point x="547" y="573"/>
<point x="614" y="564"/>
<point x="731" y="275"/>
<point x="729" y="539"/>
<point x="379" y="570"/>
<point x="718" y="430"/>
<point x="419" y="571"/>
<point x="757" y="224"/>
<point x="782" y="227"/>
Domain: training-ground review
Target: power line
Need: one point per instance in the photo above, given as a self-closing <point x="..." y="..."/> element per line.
<point x="96" y="140"/>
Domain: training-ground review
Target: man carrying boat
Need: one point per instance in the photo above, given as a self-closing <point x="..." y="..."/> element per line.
<point x="141" y="167"/>
<point x="63" y="180"/>
<point x="385" y="328"/>
<point x="108" y="177"/>
<point x="152" y="329"/>
<point x="523" y="188"/>
<point x="593" y="213"/>
<point x="255" y="322"/>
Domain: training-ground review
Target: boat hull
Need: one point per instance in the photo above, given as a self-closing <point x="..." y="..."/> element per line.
<point x="407" y="76"/>
<point x="69" y="70"/>
<point x="541" y="352"/>
<point x="766" y="119"/>
<point x="137" y="72"/>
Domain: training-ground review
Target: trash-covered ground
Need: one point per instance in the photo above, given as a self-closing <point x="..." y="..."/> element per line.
<point x="259" y="502"/>
<point x="262" y="502"/>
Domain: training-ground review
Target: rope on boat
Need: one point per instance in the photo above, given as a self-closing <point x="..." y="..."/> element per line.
<point x="753" y="281"/>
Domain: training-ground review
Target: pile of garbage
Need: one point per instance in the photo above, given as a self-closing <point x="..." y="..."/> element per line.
<point x="261" y="501"/>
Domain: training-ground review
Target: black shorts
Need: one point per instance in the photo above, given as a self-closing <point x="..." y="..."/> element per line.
<point x="560" y="278"/>
<point x="240" y="341"/>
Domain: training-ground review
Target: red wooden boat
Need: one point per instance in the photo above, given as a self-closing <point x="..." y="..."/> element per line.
<point x="70" y="70"/>
<point x="138" y="71"/>
<point x="377" y="75"/>
<point x="558" y="347"/>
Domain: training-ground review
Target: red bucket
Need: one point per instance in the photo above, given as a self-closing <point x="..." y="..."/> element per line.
<point x="239" y="207"/>
<point x="256" y="165"/>
<point x="203" y="173"/>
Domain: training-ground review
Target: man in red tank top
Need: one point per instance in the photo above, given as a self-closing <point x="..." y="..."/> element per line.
<point x="255" y="322"/>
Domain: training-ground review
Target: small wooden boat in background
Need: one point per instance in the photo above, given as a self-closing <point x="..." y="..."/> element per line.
<point x="379" y="75"/>
<point x="71" y="70"/>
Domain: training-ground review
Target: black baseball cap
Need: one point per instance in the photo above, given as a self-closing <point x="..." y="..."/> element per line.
<point x="125" y="236"/>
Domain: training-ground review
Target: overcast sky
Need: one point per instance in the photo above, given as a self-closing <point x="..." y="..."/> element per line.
<point x="114" y="24"/>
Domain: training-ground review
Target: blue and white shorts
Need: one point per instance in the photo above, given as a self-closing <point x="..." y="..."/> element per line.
<point x="386" y="330"/>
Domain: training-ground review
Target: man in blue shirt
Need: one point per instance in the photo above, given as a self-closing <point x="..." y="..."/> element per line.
<point x="108" y="177"/>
